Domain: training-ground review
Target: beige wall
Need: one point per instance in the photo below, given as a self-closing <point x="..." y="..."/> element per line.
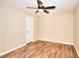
<point x="77" y="30"/>
<point x="0" y="24"/>
<point x="57" y="27"/>
<point x="0" y="27"/>
<point x="14" y="27"/>
<point x="36" y="27"/>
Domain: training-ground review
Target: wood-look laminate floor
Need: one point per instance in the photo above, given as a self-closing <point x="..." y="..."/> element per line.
<point x="43" y="49"/>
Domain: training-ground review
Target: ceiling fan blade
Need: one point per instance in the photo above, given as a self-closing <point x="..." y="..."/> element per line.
<point x="36" y="11"/>
<point x="31" y="7"/>
<point x="50" y="7"/>
<point x="46" y="11"/>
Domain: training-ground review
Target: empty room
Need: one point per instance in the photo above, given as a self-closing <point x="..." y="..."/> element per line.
<point x="39" y="28"/>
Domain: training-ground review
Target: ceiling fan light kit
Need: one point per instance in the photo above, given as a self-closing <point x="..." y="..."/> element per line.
<point x="41" y="8"/>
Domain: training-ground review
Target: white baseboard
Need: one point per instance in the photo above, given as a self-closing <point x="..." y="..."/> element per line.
<point x="76" y="50"/>
<point x="12" y="50"/>
<point x="57" y="41"/>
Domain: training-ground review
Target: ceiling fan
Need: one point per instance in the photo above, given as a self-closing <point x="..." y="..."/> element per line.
<point x="41" y="7"/>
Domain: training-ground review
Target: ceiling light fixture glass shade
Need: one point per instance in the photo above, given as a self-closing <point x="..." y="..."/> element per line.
<point x="40" y="10"/>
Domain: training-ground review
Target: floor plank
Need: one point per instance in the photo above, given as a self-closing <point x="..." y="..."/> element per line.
<point x="44" y="49"/>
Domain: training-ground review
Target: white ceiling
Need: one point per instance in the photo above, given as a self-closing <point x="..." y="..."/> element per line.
<point x="61" y="5"/>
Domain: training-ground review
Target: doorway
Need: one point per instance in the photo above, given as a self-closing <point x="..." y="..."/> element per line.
<point x="29" y="29"/>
